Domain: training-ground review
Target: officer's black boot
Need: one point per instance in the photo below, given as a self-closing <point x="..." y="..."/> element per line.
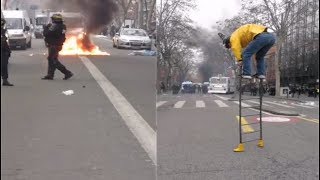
<point x="68" y="75"/>
<point x="6" y="83"/>
<point x="47" y="77"/>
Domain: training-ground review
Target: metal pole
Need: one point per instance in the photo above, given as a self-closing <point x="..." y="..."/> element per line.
<point x="261" y="91"/>
<point x="240" y="94"/>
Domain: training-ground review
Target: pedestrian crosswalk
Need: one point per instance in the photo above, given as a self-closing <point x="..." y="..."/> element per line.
<point x="222" y="102"/>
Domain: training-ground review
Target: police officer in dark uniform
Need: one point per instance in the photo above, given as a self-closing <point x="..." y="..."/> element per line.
<point x="5" y="54"/>
<point x="54" y="35"/>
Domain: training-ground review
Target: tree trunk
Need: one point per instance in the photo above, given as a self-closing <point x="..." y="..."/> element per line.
<point x="140" y="14"/>
<point x="150" y="14"/>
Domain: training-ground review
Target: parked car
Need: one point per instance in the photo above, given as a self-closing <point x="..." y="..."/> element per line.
<point x="131" y="38"/>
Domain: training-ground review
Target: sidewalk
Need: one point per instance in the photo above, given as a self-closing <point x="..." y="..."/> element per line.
<point x="302" y="98"/>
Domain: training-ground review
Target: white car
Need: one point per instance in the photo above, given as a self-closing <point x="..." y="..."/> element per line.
<point x="132" y="38"/>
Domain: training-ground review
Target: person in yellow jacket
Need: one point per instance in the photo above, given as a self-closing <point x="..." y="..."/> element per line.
<point x="246" y="41"/>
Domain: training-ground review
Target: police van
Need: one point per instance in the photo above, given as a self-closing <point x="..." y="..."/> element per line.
<point x="18" y="28"/>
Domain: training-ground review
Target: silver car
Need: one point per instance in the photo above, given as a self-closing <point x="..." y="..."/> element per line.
<point x="132" y="38"/>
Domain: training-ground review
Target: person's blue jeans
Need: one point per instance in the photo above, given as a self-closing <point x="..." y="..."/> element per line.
<point x="259" y="46"/>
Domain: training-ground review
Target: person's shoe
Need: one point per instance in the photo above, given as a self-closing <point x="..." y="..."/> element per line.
<point x="47" y="78"/>
<point x="246" y="76"/>
<point x="6" y="83"/>
<point x="68" y="76"/>
<point x="259" y="76"/>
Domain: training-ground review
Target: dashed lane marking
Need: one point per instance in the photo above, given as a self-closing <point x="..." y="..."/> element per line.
<point x="245" y="127"/>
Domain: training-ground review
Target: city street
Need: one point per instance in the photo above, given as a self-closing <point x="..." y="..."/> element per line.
<point x="199" y="132"/>
<point x="104" y="130"/>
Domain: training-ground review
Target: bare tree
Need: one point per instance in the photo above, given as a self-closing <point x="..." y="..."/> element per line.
<point x="124" y="5"/>
<point x="279" y="16"/>
<point x="173" y="30"/>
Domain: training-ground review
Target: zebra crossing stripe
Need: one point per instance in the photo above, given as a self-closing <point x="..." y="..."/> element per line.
<point x="309" y="107"/>
<point x="160" y="103"/>
<point x="221" y="97"/>
<point x="242" y="104"/>
<point x="279" y="104"/>
<point x="257" y="103"/>
<point x="220" y="103"/>
<point x="200" y="104"/>
<point x="179" y="104"/>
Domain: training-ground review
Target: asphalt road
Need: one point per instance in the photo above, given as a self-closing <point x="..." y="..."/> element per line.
<point x="197" y="135"/>
<point x="46" y="134"/>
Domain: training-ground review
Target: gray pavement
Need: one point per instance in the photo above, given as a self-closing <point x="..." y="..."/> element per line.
<point x="197" y="142"/>
<point x="48" y="135"/>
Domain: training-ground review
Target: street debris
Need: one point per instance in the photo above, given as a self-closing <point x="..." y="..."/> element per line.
<point x="68" y="92"/>
<point x="143" y="53"/>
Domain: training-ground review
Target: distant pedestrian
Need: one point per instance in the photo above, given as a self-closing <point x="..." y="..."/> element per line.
<point x="162" y="87"/>
<point x="293" y="91"/>
<point x="5" y="55"/>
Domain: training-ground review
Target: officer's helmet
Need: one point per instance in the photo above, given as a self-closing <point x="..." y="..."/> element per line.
<point x="56" y="18"/>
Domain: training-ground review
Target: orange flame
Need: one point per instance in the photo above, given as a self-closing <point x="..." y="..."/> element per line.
<point x="74" y="46"/>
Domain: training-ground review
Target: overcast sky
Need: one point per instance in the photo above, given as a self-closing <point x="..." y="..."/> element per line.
<point x="208" y="12"/>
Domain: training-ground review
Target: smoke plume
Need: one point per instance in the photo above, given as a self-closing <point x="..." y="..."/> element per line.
<point x="98" y="13"/>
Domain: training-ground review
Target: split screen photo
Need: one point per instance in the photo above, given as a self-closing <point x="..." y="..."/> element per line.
<point x="159" y="89"/>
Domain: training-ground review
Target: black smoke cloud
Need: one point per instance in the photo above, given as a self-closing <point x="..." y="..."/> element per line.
<point x="98" y="13"/>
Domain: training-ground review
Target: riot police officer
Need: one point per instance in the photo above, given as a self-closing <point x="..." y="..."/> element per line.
<point x="54" y="35"/>
<point x="5" y="54"/>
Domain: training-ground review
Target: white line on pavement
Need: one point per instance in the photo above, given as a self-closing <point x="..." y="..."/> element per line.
<point x="135" y="122"/>
<point x="257" y="103"/>
<point x="221" y="97"/>
<point x="179" y="104"/>
<point x="220" y="103"/>
<point x="242" y="104"/>
<point x="200" y="104"/>
<point x="309" y="107"/>
<point x="160" y="103"/>
<point x="278" y="104"/>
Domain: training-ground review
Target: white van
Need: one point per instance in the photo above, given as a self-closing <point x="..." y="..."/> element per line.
<point x="18" y="28"/>
<point x="219" y="84"/>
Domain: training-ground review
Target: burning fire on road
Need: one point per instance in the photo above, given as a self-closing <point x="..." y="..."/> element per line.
<point x="80" y="45"/>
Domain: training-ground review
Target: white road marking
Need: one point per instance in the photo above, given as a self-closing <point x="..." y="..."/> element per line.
<point x="278" y="104"/>
<point x="221" y="97"/>
<point x="220" y="103"/>
<point x="135" y="122"/>
<point x="179" y="104"/>
<point x="257" y="103"/>
<point x="309" y="107"/>
<point x="200" y="104"/>
<point x="242" y="104"/>
<point x="160" y="103"/>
